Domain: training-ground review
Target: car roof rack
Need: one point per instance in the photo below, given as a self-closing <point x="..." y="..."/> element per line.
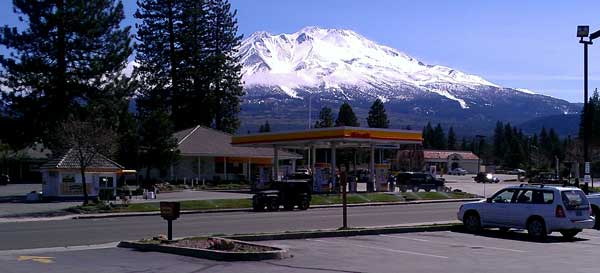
<point x="541" y="185"/>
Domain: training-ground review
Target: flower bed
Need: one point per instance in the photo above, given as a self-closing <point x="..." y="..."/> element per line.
<point x="213" y="248"/>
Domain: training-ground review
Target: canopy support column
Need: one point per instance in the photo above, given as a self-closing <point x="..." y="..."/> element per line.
<point x="333" y="166"/>
<point x="225" y="167"/>
<point x="275" y="163"/>
<point x="372" y="169"/>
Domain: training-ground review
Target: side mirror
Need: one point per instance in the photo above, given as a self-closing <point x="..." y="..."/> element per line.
<point x="488" y="200"/>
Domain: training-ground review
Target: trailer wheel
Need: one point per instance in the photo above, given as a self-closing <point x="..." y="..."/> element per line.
<point x="273" y="204"/>
<point x="304" y="203"/>
<point x="257" y="204"/>
<point x="288" y="205"/>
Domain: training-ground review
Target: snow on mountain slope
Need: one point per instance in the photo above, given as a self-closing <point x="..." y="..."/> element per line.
<point x="335" y="59"/>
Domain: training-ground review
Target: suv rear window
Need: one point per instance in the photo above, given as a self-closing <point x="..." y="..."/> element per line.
<point x="574" y="199"/>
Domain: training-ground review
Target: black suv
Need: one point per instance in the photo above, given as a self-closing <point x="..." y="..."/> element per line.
<point x="417" y="181"/>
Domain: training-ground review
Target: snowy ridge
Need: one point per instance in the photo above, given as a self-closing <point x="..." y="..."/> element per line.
<point x="338" y="59"/>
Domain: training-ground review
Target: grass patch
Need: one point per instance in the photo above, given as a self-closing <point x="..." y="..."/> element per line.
<point x="317" y="199"/>
<point x="354" y="198"/>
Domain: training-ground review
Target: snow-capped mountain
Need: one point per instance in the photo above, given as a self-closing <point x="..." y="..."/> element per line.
<point x="342" y="65"/>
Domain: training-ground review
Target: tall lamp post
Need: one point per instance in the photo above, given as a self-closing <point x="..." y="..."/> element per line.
<point x="584" y="32"/>
<point x="479" y="139"/>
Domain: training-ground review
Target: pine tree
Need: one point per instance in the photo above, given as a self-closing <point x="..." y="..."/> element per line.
<point x="68" y="54"/>
<point x="499" y="143"/>
<point x="346" y="116"/>
<point x="439" y="138"/>
<point x="451" y="139"/>
<point x="223" y="65"/>
<point x="265" y="128"/>
<point x="159" y="101"/>
<point x="325" y="118"/>
<point x="428" y="136"/>
<point x="464" y="146"/>
<point x="377" y="117"/>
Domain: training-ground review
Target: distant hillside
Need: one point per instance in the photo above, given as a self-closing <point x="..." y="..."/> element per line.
<point x="564" y="125"/>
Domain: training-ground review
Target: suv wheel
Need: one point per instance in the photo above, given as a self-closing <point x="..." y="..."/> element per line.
<point x="403" y="188"/>
<point x="304" y="203"/>
<point x="472" y="222"/>
<point x="596" y="213"/>
<point x="537" y="229"/>
<point x="569" y="234"/>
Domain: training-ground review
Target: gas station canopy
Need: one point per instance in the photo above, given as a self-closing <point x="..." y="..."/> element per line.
<point x="325" y="137"/>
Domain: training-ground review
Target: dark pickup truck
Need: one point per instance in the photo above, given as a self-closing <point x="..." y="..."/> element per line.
<point x="289" y="193"/>
<point x="416" y="181"/>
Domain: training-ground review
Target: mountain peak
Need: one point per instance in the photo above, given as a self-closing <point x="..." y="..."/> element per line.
<point x="338" y="59"/>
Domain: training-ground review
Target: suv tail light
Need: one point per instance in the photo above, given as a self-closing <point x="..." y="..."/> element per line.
<point x="560" y="213"/>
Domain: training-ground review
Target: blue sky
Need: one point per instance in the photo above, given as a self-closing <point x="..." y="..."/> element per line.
<point x="514" y="43"/>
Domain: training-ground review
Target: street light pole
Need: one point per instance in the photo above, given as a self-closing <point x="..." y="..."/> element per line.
<point x="586" y="119"/>
<point x="584" y="32"/>
<point x="479" y="138"/>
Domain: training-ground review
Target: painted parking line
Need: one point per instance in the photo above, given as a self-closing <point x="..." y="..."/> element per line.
<point x="334" y="241"/>
<point x="453" y="244"/>
<point x="56" y="249"/>
<point x="39" y="259"/>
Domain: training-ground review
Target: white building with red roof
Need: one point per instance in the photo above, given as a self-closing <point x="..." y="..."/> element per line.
<point x="445" y="160"/>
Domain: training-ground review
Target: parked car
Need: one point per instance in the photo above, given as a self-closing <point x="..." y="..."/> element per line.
<point x="486" y="178"/>
<point x="517" y="172"/>
<point x="539" y="209"/>
<point x="458" y="171"/>
<point x="303" y="171"/>
<point x="595" y="204"/>
<point x="546" y="178"/>
<point x="417" y="181"/>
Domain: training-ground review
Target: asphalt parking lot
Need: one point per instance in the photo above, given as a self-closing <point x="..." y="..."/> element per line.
<point x="444" y="251"/>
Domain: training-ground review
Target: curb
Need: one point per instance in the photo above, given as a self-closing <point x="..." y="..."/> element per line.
<point x="276" y="253"/>
<point x="345" y="233"/>
<point x="156" y="213"/>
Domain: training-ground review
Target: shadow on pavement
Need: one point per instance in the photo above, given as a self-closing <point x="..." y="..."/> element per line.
<point x="517" y="235"/>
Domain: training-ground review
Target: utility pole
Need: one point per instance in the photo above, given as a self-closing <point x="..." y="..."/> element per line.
<point x="584" y="32"/>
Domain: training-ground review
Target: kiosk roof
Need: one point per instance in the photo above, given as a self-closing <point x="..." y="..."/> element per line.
<point x="342" y="136"/>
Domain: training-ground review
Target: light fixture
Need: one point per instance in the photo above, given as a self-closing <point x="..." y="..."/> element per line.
<point x="583" y="31"/>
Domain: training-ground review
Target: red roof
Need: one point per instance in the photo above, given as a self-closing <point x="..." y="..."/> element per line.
<point x="442" y="154"/>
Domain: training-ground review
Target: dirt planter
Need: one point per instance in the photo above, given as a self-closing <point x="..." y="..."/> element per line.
<point x="268" y="253"/>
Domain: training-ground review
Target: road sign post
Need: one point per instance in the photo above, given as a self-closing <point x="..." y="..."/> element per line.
<point x="170" y="211"/>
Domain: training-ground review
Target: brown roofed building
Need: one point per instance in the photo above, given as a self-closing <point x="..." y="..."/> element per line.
<point x="445" y="161"/>
<point x="62" y="178"/>
<point x="207" y="154"/>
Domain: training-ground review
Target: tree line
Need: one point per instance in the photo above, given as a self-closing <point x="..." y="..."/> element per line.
<point x="67" y="65"/>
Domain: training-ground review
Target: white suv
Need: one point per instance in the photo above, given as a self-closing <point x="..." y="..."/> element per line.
<point x="539" y="209"/>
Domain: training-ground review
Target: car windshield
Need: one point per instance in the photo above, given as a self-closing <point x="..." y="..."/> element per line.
<point x="574" y="199"/>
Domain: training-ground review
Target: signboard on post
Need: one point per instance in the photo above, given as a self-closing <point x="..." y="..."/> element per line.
<point x="170" y="211"/>
<point x="587" y="168"/>
<point x="587" y="178"/>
